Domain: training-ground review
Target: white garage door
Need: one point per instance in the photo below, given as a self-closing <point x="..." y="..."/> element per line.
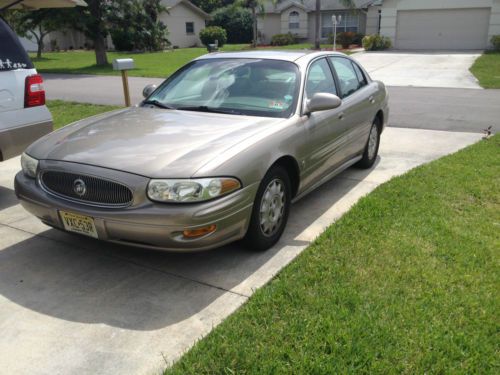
<point x="443" y="29"/>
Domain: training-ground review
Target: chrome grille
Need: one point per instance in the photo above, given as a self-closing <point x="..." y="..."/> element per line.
<point x="98" y="191"/>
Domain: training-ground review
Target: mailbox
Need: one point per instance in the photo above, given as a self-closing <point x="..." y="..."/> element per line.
<point x="123" y="64"/>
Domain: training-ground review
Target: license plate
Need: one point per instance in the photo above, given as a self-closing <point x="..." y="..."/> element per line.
<point x="78" y="223"/>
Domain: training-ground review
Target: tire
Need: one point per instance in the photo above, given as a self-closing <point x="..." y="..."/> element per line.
<point x="372" y="144"/>
<point x="266" y="228"/>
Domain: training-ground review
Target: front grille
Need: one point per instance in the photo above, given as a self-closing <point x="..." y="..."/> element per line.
<point x="96" y="191"/>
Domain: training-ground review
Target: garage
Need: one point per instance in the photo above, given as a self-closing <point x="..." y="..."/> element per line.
<point x="443" y="29"/>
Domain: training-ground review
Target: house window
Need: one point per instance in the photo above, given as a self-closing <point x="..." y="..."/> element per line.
<point x="189" y="27"/>
<point x="294" y="20"/>
<point x="350" y="22"/>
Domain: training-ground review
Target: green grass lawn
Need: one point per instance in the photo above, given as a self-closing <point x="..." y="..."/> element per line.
<point x="406" y="282"/>
<point x="487" y="70"/>
<point x="64" y="113"/>
<point x="156" y="64"/>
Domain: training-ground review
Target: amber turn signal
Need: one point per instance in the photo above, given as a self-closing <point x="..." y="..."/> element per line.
<point x="199" y="232"/>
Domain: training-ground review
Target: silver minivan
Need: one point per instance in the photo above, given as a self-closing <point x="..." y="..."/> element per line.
<point x="23" y="115"/>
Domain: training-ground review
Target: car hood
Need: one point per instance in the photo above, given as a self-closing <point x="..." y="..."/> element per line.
<point x="150" y="142"/>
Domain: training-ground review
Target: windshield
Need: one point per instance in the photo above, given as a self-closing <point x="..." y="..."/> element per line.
<point x="237" y="86"/>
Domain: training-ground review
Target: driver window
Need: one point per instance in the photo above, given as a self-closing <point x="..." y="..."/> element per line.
<point x="320" y="79"/>
<point x="347" y="76"/>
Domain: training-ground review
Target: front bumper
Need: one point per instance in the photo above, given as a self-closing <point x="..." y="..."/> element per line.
<point x="147" y="224"/>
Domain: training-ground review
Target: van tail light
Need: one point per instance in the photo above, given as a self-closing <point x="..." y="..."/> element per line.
<point x="34" y="94"/>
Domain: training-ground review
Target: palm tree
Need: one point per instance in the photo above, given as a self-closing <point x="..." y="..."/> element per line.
<point x="346" y="3"/>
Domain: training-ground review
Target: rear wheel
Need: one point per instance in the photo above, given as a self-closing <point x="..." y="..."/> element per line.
<point x="371" y="149"/>
<point x="270" y="210"/>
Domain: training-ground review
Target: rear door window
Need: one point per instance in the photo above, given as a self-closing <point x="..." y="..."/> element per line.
<point x="349" y="82"/>
<point x="12" y="54"/>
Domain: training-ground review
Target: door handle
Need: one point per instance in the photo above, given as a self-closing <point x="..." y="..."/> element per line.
<point x="371" y="99"/>
<point x="341" y="116"/>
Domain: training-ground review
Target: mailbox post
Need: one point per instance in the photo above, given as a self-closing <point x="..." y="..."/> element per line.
<point x="124" y="65"/>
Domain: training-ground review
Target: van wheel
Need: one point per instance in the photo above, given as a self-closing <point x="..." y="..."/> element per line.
<point x="270" y="210"/>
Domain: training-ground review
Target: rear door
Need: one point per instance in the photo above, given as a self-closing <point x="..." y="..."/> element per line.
<point x="358" y="103"/>
<point x="15" y="66"/>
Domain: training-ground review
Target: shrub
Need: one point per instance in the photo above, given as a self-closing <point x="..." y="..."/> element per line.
<point x="495" y="40"/>
<point x="212" y="33"/>
<point x="237" y="22"/>
<point x="283" y="39"/>
<point x="376" y="42"/>
<point x="358" y="38"/>
<point x="345" y="39"/>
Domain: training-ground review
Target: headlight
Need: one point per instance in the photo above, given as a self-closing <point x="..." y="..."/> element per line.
<point x="191" y="190"/>
<point x="29" y="165"/>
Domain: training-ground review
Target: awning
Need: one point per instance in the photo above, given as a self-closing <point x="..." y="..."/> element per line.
<point x="38" y="4"/>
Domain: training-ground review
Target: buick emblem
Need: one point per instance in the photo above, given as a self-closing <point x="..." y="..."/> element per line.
<point x="79" y="187"/>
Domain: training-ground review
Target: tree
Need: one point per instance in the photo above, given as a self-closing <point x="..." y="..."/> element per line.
<point x="211" y="5"/>
<point x="37" y="24"/>
<point x="317" y="17"/>
<point x="135" y="25"/>
<point x="237" y="21"/>
<point x="253" y="5"/>
<point x="91" y="20"/>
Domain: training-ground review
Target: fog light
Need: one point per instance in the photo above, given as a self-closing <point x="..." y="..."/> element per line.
<point x="199" y="232"/>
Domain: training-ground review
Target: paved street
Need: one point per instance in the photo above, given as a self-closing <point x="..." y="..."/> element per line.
<point x="71" y="305"/>
<point x="411" y="107"/>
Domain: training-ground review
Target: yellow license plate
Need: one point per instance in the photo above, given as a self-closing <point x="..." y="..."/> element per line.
<point x="78" y="223"/>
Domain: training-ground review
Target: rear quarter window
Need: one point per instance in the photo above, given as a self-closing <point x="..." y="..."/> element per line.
<point x="12" y="54"/>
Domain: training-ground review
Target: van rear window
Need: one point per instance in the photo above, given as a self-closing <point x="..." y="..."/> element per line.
<point x="12" y="54"/>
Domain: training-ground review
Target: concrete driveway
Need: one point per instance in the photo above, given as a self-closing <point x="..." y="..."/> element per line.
<point x="72" y="305"/>
<point x="421" y="69"/>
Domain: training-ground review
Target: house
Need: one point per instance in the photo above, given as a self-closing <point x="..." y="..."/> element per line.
<point x="298" y="17"/>
<point x="440" y="24"/>
<point x="184" y="21"/>
<point x="410" y="24"/>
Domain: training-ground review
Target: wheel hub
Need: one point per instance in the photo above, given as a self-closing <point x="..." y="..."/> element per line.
<point x="272" y="207"/>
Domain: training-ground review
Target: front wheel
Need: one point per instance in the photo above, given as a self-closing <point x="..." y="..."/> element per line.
<point x="270" y="210"/>
<point x="371" y="149"/>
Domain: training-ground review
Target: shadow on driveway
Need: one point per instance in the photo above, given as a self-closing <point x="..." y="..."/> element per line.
<point x="82" y="280"/>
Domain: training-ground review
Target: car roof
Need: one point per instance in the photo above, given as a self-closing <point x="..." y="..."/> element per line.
<point x="268" y="54"/>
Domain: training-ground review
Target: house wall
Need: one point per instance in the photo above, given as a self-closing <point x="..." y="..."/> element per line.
<point x="176" y="23"/>
<point x="268" y="25"/>
<point x="390" y="8"/>
<point x="372" y="20"/>
<point x="302" y="31"/>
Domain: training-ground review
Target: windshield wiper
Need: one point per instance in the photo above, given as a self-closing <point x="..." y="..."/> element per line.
<point x="204" y="108"/>
<point x="158" y="104"/>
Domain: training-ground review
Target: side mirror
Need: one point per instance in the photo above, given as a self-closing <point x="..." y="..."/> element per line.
<point x="148" y="90"/>
<point x="322" y="101"/>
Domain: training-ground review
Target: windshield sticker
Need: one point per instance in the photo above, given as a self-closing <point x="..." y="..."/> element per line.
<point x="276" y="104"/>
<point x="7" y="64"/>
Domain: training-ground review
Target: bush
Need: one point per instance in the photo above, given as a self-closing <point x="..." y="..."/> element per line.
<point x="358" y="39"/>
<point x="237" y="22"/>
<point x="283" y="39"/>
<point x="212" y="33"/>
<point x="346" y="39"/>
<point x="495" y="40"/>
<point x="376" y="42"/>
